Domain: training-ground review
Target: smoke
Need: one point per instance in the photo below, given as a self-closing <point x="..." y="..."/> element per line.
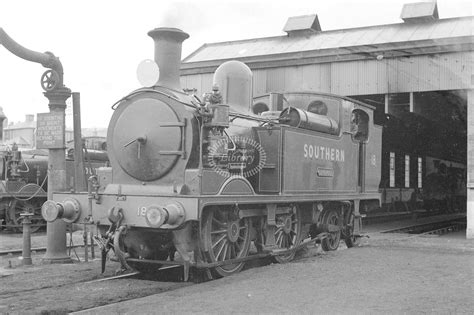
<point x="182" y="15"/>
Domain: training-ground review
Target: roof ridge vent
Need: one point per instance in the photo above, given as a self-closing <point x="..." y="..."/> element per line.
<point x="302" y="25"/>
<point x="419" y="12"/>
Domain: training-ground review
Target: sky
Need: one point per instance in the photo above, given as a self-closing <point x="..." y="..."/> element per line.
<point x="101" y="43"/>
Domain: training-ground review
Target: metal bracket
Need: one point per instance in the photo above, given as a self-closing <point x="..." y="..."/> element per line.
<point x="271" y="212"/>
<point x="120" y="197"/>
<point x="271" y="226"/>
<point x="182" y="125"/>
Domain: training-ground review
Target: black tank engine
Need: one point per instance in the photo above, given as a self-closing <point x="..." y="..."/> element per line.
<point x="193" y="182"/>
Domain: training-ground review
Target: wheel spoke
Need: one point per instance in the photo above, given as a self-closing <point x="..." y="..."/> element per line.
<point x="232" y="251"/>
<point x="291" y="242"/>
<point x="238" y="247"/>
<point x="226" y="247"/>
<point x="218" y="222"/>
<point x="219" y="232"/>
<point x="219" y="241"/>
<point x="279" y="238"/>
<point x="220" y="250"/>
<point x="282" y="241"/>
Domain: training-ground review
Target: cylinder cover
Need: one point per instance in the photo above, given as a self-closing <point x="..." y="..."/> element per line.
<point x="147" y="138"/>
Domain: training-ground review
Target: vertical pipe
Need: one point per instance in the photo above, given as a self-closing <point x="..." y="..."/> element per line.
<point x="26" y="253"/>
<point x="86" y="246"/>
<point x="2" y="118"/>
<point x="470" y="165"/>
<point x="92" y="242"/>
<point x="79" y="176"/>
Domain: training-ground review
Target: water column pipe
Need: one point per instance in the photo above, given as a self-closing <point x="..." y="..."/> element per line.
<point x="26" y="253"/>
<point x="57" y="94"/>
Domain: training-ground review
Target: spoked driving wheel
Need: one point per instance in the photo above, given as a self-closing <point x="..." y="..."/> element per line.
<point x="224" y="236"/>
<point x="332" y="220"/>
<point x="288" y="233"/>
<point x="18" y="206"/>
<point x="349" y="237"/>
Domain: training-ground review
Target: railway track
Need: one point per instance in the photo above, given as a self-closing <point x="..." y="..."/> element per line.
<point x="432" y="228"/>
<point x="74" y="287"/>
<point x="18" y="251"/>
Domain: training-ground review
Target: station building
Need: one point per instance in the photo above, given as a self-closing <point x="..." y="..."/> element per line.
<point x="418" y="74"/>
<point x="23" y="133"/>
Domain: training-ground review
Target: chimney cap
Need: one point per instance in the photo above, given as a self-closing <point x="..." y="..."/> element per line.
<point x="170" y="31"/>
<point x="302" y="24"/>
<point x="419" y="12"/>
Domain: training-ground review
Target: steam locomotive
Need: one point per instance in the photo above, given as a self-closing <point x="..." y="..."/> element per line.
<point x="23" y="183"/>
<point x="194" y="182"/>
<point x="22" y="187"/>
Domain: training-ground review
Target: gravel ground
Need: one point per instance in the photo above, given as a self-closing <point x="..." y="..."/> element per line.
<point x="381" y="276"/>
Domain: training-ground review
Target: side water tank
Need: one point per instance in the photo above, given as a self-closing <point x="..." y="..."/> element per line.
<point x="234" y="80"/>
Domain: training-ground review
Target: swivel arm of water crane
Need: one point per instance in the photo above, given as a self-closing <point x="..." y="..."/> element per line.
<point x="50" y="79"/>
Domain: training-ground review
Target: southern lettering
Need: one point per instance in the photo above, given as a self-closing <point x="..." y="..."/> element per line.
<point x="323" y="153"/>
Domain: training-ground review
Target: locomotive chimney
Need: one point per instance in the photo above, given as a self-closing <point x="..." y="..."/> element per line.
<point x="168" y="43"/>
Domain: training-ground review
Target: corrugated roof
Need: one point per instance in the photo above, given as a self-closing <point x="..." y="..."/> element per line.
<point x="336" y="39"/>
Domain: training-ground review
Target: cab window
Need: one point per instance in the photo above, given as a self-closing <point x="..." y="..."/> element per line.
<point x="318" y="107"/>
<point x="359" y="125"/>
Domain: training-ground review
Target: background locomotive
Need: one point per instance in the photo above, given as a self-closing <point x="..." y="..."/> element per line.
<point x="23" y="182"/>
<point x="22" y="187"/>
<point x="201" y="180"/>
